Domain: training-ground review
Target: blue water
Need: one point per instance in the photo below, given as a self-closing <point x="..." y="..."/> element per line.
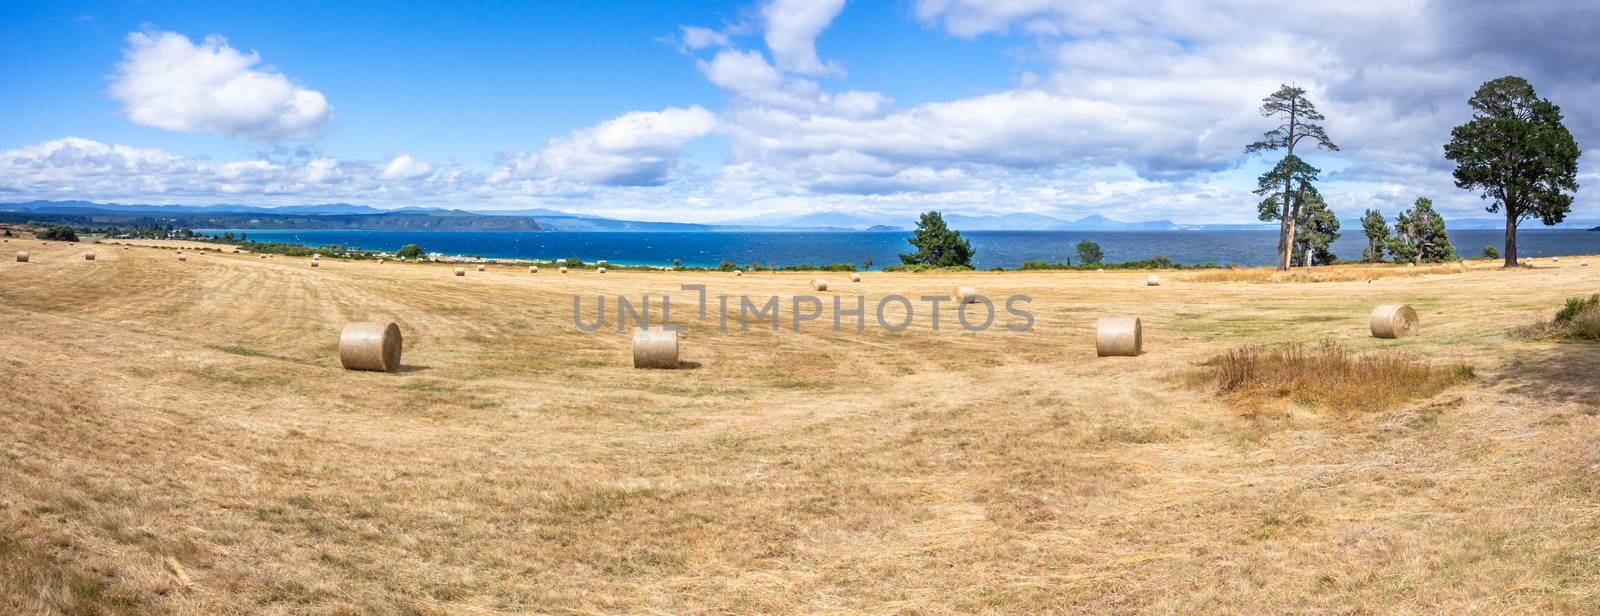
<point x="994" y="248"/>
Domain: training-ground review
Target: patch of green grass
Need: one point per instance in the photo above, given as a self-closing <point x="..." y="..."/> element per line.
<point x="238" y="349"/>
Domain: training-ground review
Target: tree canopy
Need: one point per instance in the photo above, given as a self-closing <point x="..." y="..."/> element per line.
<point x="409" y="251"/>
<point x="1518" y="154"/>
<point x="1376" y="228"/>
<point x="1419" y="235"/>
<point x="1318" y="230"/>
<point x="937" y="244"/>
<point x="1089" y="253"/>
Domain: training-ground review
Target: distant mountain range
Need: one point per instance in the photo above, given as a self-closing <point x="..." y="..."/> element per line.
<point x="349" y="216"/>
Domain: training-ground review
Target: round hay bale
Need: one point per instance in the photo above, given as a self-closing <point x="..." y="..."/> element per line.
<point x="1152" y="281"/>
<point x="22" y="256"/>
<point x="461" y="271"/>
<point x="1583" y="263"/>
<point x="480" y="268"/>
<point x="737" y="273"/>
<point x="315" y="263"/>
<point x="315" y="256"/>
<point x="818" y="284"/>
<point x="965" y="295"/>
<point x="370" y="346"/>
<point x="1118" y="337"/>
<point x="563" y="269"/>
<point x="655" y="348"/>
<point x="1393" y="321"/>
<point x="380" y="261"/>
<point x="854" y="277"/>
<point x="183" y="257"/>
<point x="600" y="270"/>
<point x="533" y="269"/>
<point x="263" y="256"/>
<point x="88" y="256"/>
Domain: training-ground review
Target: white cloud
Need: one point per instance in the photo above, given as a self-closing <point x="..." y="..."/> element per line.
<point x="168" y="82"/>
<point x="640" y="148"/>
<point x="695" y="37"/>
<point x="792" y="27"/>
<point x="404" y="167"/>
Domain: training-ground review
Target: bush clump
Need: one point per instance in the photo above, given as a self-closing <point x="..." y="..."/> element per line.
<point x="1578" y="320"/>
<point x="58" y="233"/>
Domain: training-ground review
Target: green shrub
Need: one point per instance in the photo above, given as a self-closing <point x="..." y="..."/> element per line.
<point x="727" y="266"/>
<point x="1490" y="252"/>
<point x="59" y="233"/>
<point x="1577" y="306"/>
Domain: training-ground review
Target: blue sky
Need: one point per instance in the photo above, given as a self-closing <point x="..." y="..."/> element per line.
<point x="714" y="111"/>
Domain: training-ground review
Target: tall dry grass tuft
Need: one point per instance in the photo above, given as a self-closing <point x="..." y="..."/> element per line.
<point x="1327" y="376"/>
<point x="1578" y="320"/>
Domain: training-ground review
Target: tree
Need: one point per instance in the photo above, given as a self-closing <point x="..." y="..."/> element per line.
<point x="1298" y="121"/>
<point x="1518" y="154"/>
<point x="1089" y="253"/>
<point x="678" y="263"/>
<point x="1271" y="189"/>
<point x="1319" y="229"/>
<point x="409" y="251"/>
<point x="866" y="263"/>
<point x="58" y="233"/>
<point x="937" y="244"/>
<point x="1419" y="235"/>
<point x="1490" y="252"/>
<point x="1376" y="229"/>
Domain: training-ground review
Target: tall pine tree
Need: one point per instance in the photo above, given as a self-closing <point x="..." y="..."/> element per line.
<point x="1298" y="120"/>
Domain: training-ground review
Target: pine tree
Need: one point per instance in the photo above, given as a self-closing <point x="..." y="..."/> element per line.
<point x="937" y="244"/>
<point x="1419" y="235"/>
<point x="1318" y="230"/>
<point x="1299" y="121"/>
<point x="1377" y="230"/>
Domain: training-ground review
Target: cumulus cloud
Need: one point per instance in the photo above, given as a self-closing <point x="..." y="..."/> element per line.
<point x="167" y="81"/>
<point x="404" y="167"/>
<point x="792" y="27"/>
<point x="636" y="149"/>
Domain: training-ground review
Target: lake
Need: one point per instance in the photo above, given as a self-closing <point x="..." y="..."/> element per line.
<point x="994" y="248"/>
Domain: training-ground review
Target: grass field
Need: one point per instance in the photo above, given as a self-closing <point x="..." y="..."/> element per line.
<point x="179" y="438"/>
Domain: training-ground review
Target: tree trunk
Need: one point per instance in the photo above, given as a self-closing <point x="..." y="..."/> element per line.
<point x="1511" y="237"/>
<point x="1283" y="240"/>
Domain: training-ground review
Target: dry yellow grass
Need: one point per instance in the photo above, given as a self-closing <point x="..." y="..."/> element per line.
<point x="1326" y="376"/>
<point x="182" y="244"/>
<point x="180" y="438"/>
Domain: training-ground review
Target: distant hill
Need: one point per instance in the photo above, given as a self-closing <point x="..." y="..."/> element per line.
<point x="243" y="217"/>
